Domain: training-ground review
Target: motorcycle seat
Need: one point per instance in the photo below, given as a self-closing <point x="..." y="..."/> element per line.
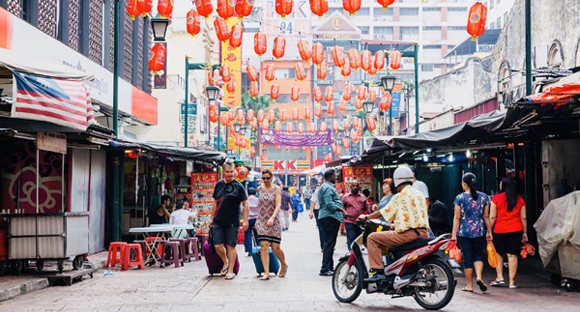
<point x="420" y="242"/>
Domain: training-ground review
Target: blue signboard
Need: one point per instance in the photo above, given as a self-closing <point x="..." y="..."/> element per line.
<point x="395" y="102"/>
<point x="192" y="108"/>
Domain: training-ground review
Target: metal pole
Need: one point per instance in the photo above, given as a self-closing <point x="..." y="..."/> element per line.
<point x="391" y="116"/>
<point x="528" y="48"/>
<point x="286" y="170"/>
<point x="417" y="90"/>
<point x="115" y="222"/>
<point x="186" y="98"/>
<point x="219" y="130"/>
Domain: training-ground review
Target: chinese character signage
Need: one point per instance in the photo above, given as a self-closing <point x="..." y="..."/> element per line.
<point x="233" y="58"/>
<point x="202" y="186"/>
<point x="363" y="174"/>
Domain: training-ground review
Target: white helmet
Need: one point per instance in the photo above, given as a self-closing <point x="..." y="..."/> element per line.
<point x="402" y="175"/>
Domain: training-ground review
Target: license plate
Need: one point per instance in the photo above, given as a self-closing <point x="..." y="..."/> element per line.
<point x="453" y="263"/>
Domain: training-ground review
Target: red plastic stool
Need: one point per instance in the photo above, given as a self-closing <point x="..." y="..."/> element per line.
<point x="183" y="248"/>
<point x="193" y="241"/>
<point x="138" y="257"/>
<point x="171" y="253"/>
<point x="153" y="239"/>
<point x="112" y="258"/>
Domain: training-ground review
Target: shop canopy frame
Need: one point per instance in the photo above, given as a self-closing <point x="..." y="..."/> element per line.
<point x="188" y="153"/>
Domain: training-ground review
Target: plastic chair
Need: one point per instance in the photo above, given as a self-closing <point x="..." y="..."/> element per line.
<point x="170" y="253"/>
<point x="193" y="241"/>
<point x="153" y="239"/>
<point x="138" y="257"/>
<point x="183" y="248"/>
<point x="112" y="258"/>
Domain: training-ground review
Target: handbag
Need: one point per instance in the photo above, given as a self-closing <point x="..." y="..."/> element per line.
<point x="300" y="208"/>
<point x="491" y="255"/>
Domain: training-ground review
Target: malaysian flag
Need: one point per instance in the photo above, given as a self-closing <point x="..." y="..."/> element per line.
<point x="63" y="102"/>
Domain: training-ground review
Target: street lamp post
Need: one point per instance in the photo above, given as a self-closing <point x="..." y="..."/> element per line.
<point x="388" y="82"/>
<point x="368" y="108"/>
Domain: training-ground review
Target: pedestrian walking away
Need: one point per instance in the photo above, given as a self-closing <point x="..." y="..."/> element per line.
<point x="420" y="185"/>
<point x="251" y="231"/>
<point x="295" y="202"/>
<point x="331" y="215"/>
<point x="471" y="226"/>
<point x="268" y="224"/>
<point x="408" y="213"/>
<point x="508" y="220"/>
<point x="228" y="195"/>
<point x="286" y="207"/>
<point x="307" y="197"/>
<point x="354" y="204"/>
<point x="314" y="211"/>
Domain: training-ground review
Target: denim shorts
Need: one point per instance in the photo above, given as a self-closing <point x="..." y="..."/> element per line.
<point x="472" y="249"/>
<point x="225" y="235"/>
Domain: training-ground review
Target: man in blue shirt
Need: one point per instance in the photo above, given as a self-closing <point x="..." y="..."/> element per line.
<point x="286" y="207"/>
<point x="330" y="217"/>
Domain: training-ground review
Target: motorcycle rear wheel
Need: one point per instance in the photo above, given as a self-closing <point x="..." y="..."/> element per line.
<point x="429" y="297"/>
<point x="347" y="282"/>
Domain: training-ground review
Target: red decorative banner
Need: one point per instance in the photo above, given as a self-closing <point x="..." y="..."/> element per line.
<point x="363" y="174"/>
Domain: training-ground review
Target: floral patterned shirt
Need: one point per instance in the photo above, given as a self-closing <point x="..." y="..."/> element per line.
<point x="471" y="224"/>
<point x="407" y="209"/>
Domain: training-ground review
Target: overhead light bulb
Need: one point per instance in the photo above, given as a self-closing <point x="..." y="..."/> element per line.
<point x="428" y="150"/>
<point x="450" y="157"/>
<point x="468" y="154"/>
<point x="425" y="158"/>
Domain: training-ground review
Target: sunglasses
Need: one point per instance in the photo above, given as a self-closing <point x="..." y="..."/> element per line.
<point x="266" y="178"/>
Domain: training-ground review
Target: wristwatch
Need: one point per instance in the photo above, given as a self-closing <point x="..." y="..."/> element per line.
<point x="366" y="218"/>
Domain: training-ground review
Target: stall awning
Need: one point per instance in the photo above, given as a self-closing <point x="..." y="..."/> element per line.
<point x="190" y="153"/>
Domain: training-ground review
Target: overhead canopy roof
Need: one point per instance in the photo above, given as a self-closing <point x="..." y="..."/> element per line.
<point x="468" y="47"/>
<point x="189" y="153"/>
<point x="32" y="64"/>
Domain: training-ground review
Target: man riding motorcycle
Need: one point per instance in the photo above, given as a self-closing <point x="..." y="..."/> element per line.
<point x="408" y="211"/>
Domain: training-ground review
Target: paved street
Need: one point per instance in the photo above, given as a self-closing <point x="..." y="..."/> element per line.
<point x="189" y="288"/>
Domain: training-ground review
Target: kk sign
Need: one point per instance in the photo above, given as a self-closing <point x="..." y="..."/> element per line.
<point x="279" y="166"/>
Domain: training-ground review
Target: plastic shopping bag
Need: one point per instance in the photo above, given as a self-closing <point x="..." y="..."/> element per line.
<point x="456" y="254"/>
<point x="491" y="255"/>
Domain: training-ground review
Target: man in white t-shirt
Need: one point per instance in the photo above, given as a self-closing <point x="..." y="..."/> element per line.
<point x="420" y="185"/>
<point x="180" y="217"/>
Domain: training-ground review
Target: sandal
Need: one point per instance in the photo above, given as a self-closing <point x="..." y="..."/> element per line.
<point x="465" y="289"/>
<point x="265" y="277"/>
<point x="224" y="271"/>
<point x="230" y="276"/>
<point x="283" y="273"/>
<point x="513" y="286"/>
<point x="497" y="283"/>
<point x="482" y="286"/>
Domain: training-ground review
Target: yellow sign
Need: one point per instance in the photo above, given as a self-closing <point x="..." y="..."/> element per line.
<point x="233" y="58"/>
<point x="232" y="144"/>
<point x="336" y="23"/>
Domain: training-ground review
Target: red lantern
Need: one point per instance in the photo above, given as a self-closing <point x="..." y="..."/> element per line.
<point x="242" y="171"/>
<point x="338" y="56"/>
<point x="342" y="105"/>
<point x="254" y="89"/>
<point x="260" y="43"/>
<point x="221" y="28"/>
<point x="355" y="122"/>
<point x="335" y="125"/>
<point x="295" y="93"/>
<point x="371" y="123"/>
<point x="345" y="143"/>
<point x="132" y="9"/>
<point x="193" y="22"/>
<point x="265" y="125"/>
<point x="317" y="94"/>
<point x="157" y="58"/>
<point x="395" y="60"/>
<point x="271" y="72"/>
<point x="295" y="114"/>
<point x="278" y="126"/>
<point x="312" y="127"/>
<point x="252" y="151"/>
<point x="357" y="103"/>
<point x="338" y="151"/>
<point x="240" y="115"/>
<point x="373" y="95"/>
<point x="284" y="7"/>
<point x="385" y="4"/>
<point x="274" y="91"/>
<point x="224" y="120"/>
<point x="330" y="108"/>
<point x="323" y="127"/>
<point x="252" y="73"/>
<point x="237" y="34"/>
<point x="301" y="128"/>
<point x="263" y="157"/>
<point x="385" y="101"/>
<point x="290" y="127"/>
<point x="278" y="147"/>
<point x="379" y="60"/>
<point x="225" y="8"/>
<point x="307" y="112"/>
<point x="283" y="115"/>
<point x="366" y="62"/>
<point x="318" y="110"/>
<point x="300" y="72"/>
<point x="476" y="20"/>
<point x="304" y="49"/>
<point x="346" y="93"/>
<point x="317" y="53"/>
<point x="231" y="86"/>
<point x="295" y="148"/>
<point x="319" y="7"/>
<point x="279" y="47"/>
<point x="322" y="70"/>
<point x="165" y="8"/>
<point x="345" y="71"/>
<point x="353" y="135"/>
<point x="362" y="92"/>
<point x="144" y="6"/>
<point x="260" y="115"/>
<point x="213" y="113"/>
<point x="303" y="148"/>
<point x="287" y="148"/>
<point x="204" y="7"/>
<point x="351" y="6"/>
<point x="329" y="94"/>
<point x="354" y="58"/>
<point x="244" y="7"/>
<point x="231" y="116"/>
<point x="346" y="124"/>
<point x="271" y="115"/>
<point x="254" y="124"/>
<point x="373" y="70"/>
<point x="226" y="73"/>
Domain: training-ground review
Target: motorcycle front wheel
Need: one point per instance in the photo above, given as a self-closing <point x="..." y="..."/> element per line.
<point x="347" y="282"/>
<point x="441" y="286"/>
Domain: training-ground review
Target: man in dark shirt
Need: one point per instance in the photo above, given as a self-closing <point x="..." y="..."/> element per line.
<point x="437" y="216"/>
<point x="228" y="195"/>
<point x="286" y="207"/>
<point x="355" y="204"/>
<point x="160" y="215"/>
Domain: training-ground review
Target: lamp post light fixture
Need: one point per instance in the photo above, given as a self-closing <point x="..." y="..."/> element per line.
<point x="252" y="140"/>
<point x="368" y="106"/>
<point x="159" y="26"/>
<point x="388" y="82"/>
<point x="264" y="150"/>
<point x="237" y="127"/>
<point x="212" y="92"/>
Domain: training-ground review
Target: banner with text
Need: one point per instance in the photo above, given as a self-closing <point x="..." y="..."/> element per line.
<point x="271" y="137"/>
<point x="233" y="58"/>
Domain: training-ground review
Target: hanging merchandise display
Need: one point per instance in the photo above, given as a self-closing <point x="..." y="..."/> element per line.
<point x="204" y="7"/>
<point x="346" y="124"/>
<point x="260" y="43"/>
<point x="265" y="124"/>
<point x="254" y="89"/>
<point x="270" y="72"/>
<point x="225" y="8"/>
<point x="328" y="94"/>
<point x="165" y="8"/>
<point x="260" y="116"/>
<point x="362" y="92"/>
<point x="157" y="58"/>
<point x="231" y="86"/>
<point x="330" y="108"/>
<point x="352" y="6"/>
<point x="144" y="7"/>
<point x="319" y="7"/>
<point x="300" y="72"/>
<point x="271" y="115"/>
<point x="295" y="93"/>
<point x="252" y="73"/>
<point x="278" y="126"/>
<point x="283" y="115"/>
<point x="366" y="62"/>
<point x="295" y="113"/>
<point x="290" y="127"/>
<point x="317" y="53"/>
<point x="244" y="8"/>
<point x="275" y="92"/>
<point x="213" y="113"/>
<point x="237" y="34"/>
<point x="322" y="71"/>
<point x="304" y="49"/>
<point x="279" y="47"/>
<point x="385" y="103"/>
<point x="395" y="61"/>
<point x="284" y="7"/>
<point x="193" y="22"/>
<point x="385" y="4"/>
<point x="221" y="28"/>
<point x="476" y="20"/>
<point x="371" y="123"/>
<point x="342" y="105"/>
<point x="354" y="59"/>
<point x="318" y="110"/>
<point x="317" y="94"/>
<point x="300" y="128"/>
<point x="307" y="112"/>
<point x="323" y="127"/>
<point x="338" y="56"/>
<point x="132" y="9"/>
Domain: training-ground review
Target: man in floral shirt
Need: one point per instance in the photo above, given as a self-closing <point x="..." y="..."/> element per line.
<point x="408" y="211"/>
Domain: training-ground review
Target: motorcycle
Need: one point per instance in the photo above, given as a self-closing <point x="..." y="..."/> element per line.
<point x="419" y="269"/>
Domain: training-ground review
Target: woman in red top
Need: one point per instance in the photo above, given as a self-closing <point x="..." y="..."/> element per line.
<point x="508" y="214"/>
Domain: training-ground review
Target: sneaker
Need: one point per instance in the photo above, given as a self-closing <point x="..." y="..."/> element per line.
<point x="249" y="254"/>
